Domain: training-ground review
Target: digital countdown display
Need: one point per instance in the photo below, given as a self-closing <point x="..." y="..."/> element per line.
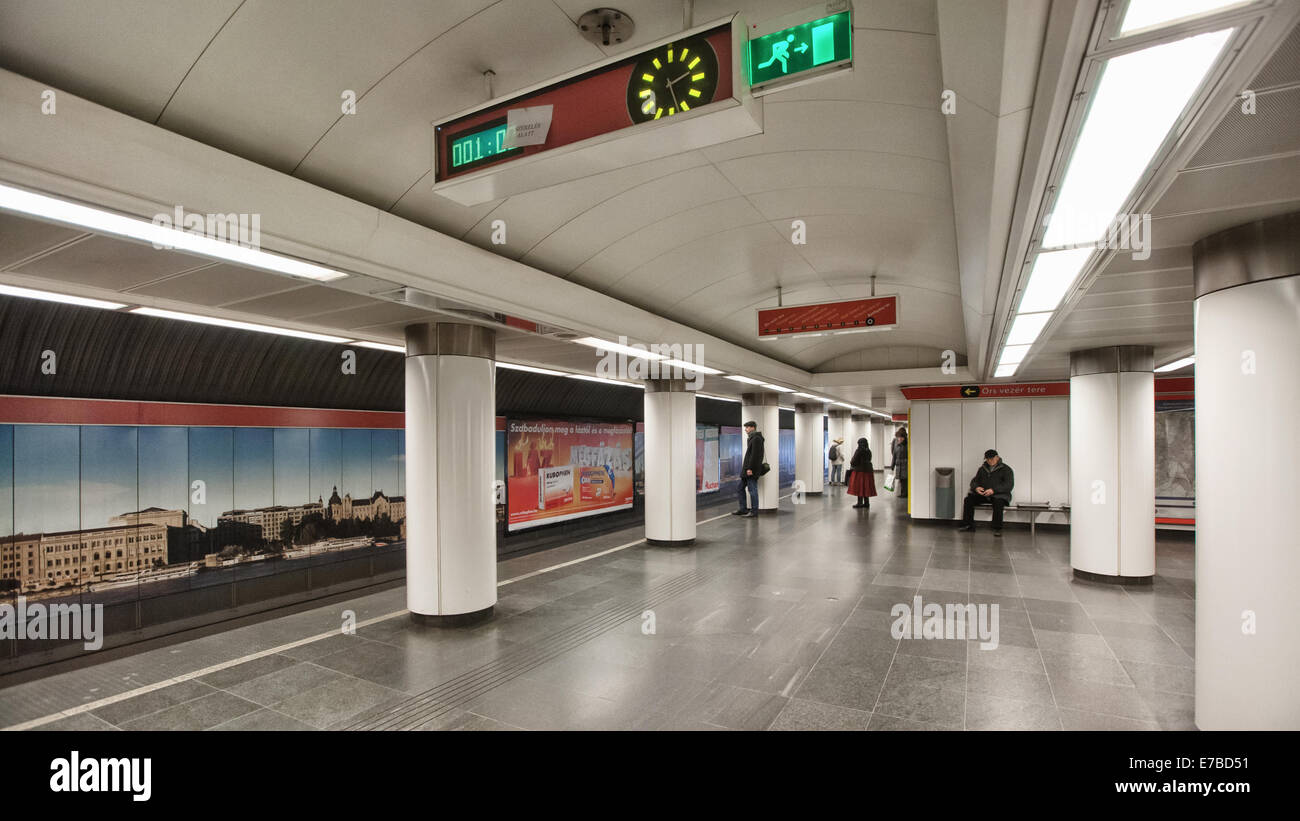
<point x="481" y="145"/>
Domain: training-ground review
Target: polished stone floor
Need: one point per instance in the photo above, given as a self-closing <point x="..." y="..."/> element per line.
<point x="779" y="622"/>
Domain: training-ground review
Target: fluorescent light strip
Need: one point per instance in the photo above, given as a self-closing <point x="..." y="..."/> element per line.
<point x="1176" y="364"/>
<point x="1006" y="370"/>
<point x="1145" y="14"/>
<point x="690" y="366"/>
<point x="232" y="323"/>
<point x="513" y="367"/>
<point x="1014" y="354"/>
<point x="842" y="404"/>
<point x="1026" y="328"/>
<point x="1052" y="276"/>
<point x="719" y="398"/>
<point x="51" y="296"/>
<point x="1139" y="98"/>
<point x="379" y="346"/>
<point x="745" y="379"/>
<point x="594" y="342"/>
<point x="97" y="219"/>
<point x="784" y="408"/>
<point x="777" y="388"/>
<point x="585" y="378"/>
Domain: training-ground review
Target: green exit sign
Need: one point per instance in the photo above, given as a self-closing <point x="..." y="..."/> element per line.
<point x="800" y="51"/>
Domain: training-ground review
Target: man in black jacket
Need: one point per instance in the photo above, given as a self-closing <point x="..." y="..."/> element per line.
<point x="991" y="486"/>
<point x="750" y="470"/>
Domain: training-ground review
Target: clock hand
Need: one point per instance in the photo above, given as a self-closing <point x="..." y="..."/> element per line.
<point x="670" y="82"/>
<point x="674" y="96"/>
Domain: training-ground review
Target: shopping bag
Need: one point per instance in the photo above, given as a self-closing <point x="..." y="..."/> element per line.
<point x="889" y="480"/>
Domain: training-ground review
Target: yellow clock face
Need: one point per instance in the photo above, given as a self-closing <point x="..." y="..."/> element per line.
<point x="673" y="78"/>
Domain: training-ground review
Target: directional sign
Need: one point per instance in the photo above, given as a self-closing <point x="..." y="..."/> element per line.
<point x="970" y="391"/>
<point x="874" y="313"/>
<point x="796" y="51"/>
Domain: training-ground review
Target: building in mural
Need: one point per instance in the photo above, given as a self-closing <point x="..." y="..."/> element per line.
<point x="345" y="507"/>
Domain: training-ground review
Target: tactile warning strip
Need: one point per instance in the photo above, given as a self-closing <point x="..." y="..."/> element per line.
<point x="427" y="707"/>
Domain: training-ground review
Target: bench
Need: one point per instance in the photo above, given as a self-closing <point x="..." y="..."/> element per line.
<point x="1034" y="508"/>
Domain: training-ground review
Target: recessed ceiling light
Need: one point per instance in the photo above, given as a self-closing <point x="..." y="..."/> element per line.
<point x="719" y="398"/>
<point x="234" y="323"/>
<point x="107" y="222"/>
<point x="745" y="379"/>
<point x="777" y="388"/>
<point x="1006" y="370"/>
<point x="1051" y="277"/>
<point x="67" y="299"/>
<point x="1014" y="354"/>
<point x="1144" y="14"/>
<point x="1139" y="98"/>
<point x="1027" y="327"/>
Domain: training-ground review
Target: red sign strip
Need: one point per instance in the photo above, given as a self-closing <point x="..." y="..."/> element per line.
<point x="876" y="312"/>
<point x="1005" y="391"/>
<point x="45" y="410"/>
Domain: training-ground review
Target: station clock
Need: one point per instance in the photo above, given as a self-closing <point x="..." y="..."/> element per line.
<point x="672" y="78"/>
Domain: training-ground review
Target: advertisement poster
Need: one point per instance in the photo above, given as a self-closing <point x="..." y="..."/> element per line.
<point x="638" y="451"/>
<point x="559" y="470"/>
<point x="786" y="458"/>
<point x="708" y="477"/>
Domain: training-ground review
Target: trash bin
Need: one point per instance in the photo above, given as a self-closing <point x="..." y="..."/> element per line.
<point x="944" y="499"/>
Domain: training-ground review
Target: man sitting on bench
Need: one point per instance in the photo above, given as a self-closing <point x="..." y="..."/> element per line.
<point x="991" y="486"/>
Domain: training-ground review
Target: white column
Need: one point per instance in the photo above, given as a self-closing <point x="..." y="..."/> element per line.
<point x="451" y="552"/>
<point x="862" y="430"/>
<point x="1247" y="453"/>
<point x="837" y="427"/>
<point x="809" y="454"/>
<point x="1112" y="464"/>
<point x="762" y="408"/>
<point x="669" y="463"/>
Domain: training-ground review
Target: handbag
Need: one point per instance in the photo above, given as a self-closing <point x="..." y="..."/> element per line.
<point x="889" y="480"/>
<point x="765" y="469"/>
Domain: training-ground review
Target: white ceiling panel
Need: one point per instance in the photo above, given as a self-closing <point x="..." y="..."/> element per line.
<point x="218" y="284"/>
<point x="261" y="89"/>
<point x="22" y="238"/>
<point x="126" y="54"/>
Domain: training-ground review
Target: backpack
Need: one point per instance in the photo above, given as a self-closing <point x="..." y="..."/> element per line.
<point x="835" y="453"/>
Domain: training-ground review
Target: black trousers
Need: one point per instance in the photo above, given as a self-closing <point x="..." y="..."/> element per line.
<point x="972" y="499"/>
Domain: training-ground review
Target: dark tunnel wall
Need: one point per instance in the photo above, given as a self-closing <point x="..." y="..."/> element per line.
<point x="111" y="355"/>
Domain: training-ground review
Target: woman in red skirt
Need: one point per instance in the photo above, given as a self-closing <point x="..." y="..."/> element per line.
<point x="863" y="481"/>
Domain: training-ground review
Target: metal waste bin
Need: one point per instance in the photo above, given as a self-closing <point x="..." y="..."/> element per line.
<point x="944" y="500"/>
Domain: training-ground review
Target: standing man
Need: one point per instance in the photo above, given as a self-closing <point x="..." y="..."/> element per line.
<point x="750" y="470"/>
<point x="898" y="463"/>
<point x="991" y="486"/>
<point x="836" y="455"/>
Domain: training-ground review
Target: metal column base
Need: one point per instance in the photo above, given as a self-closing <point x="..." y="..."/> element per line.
<point x="670" y="542"/>
<point x="1131" y="581"/>
<point x="455" y="619"/>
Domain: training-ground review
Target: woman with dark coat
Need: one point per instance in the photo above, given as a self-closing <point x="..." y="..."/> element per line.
<point x="863" y="482"/>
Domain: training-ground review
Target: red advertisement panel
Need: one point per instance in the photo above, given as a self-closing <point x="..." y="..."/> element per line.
<point x="876" y="312"/>
<point x="558" y="470"/>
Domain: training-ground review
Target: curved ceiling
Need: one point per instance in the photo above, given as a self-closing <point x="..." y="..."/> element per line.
<point x="701" y="238"/>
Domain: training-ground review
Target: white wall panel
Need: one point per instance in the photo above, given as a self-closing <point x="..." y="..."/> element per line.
<point x="1050" y="443"/>
<point x="921" y="489"/>
<point x="946" y="448"/>
<point x="978" y="434"/>
<point x="1014" y="445"/>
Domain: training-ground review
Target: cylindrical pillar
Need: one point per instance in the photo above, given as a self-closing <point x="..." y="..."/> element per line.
<point x="451" y="550"/>
<point x="1247" y="449"/>
<point x="809" y="452"/>
<point x="764" y="409"/>
<point x="1112" y="464"/>
<point x="669" y="463"/>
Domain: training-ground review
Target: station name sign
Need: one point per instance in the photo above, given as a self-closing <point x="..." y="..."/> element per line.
<point x="872" y="313"/>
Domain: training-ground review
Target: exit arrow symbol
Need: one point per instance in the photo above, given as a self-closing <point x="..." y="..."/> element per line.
<point x="802" y="48"/>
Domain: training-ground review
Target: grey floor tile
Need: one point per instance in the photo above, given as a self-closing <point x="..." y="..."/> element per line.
<point x="842" y="686"/>
<point x="1083" y="720"/>
<point x="263" y="720"/>
<point x="1080" y="667"/>
<point x="272" y="688"/>
<point x="1095" y="697"/>
<point x="121" y="712"/>
<point x="81" y="722"/>
<point x="812" y="715"/>
<point x="929" y="705"/>
<point x="922" y="671"/>
<point x="239" y="673"/>
<point x="336" y="702"/>
<point x="198" y="714"/>
<point x="990" y="712"/>
<point x="1164" y="677"/>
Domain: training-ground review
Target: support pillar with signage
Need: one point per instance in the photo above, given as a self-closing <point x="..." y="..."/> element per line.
<point x="451" y="541"/>
<point x="1113" y="464"/>
<point x="1247" y="283"/>
<point x="837" y="427"/>
<point x="763" y="408"/>
<point x="809" y="453"/>
<point x="669" y="463"/>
